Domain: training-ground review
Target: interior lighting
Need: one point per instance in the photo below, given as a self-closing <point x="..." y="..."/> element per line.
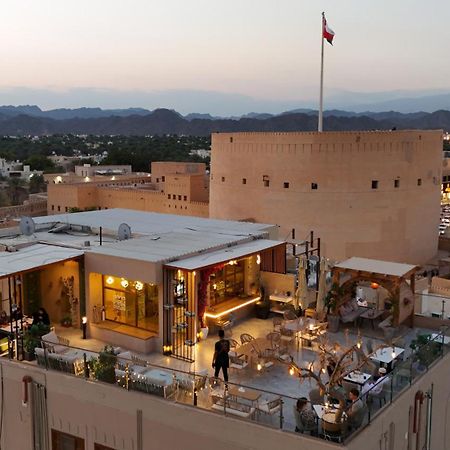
<point x="234" y="308"/>
<point x="291" y="371"/>
<point x="358" y="344"/>
<point x="124" y="283"/>
<point x="393" y="353"/>
<point x="374" y="285"/>
<point x="258" y="259"/>
<point x="110" y="280"/>
<point x="139" y="285"/>
<point x="259" y="367"/>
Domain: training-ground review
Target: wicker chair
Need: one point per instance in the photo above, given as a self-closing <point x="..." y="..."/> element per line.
<point x="245" y="337"/>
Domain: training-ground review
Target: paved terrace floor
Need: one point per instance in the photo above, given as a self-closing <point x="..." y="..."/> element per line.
<point x="275" y="379"/>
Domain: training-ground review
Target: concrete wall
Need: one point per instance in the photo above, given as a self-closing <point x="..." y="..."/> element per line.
<point x="352" y="219"/>
<point x="134" y="194"/>
<point x="108" y="415"/>
<point x="52" y="288"/>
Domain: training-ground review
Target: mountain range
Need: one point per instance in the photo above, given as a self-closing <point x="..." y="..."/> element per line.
<point x="31" y="120"/>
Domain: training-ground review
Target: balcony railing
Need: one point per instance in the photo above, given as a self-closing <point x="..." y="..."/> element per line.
<point x="266" y="408"/>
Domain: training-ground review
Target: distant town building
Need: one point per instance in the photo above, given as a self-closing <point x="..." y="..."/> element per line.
<point x="177" y="188"/>
<point x="16" y="169"/>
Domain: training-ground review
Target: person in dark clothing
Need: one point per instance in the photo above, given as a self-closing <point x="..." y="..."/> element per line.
<point x="41" y="317"/>
<point x="220" y="358"/>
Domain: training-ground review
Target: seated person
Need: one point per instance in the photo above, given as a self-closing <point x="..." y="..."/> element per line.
<point x="356" y="410"/>
<point x="376" y="386"/>
<point x="305" y="418"/>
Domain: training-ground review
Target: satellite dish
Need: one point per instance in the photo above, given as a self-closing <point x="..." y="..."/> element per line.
<point x="124" y="232"/>
<point x="27" y="226"/>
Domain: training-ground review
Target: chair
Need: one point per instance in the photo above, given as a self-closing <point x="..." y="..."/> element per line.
<point x="269" y="407"/>
<point x="245" y="337"/>
<point x="289" y="315"/>
<point x="233" y="346"/>
<point x="138" y="361"/>
<point x="277" y="323"/>
<point x="238" y="362"/>
<point x="278" y="351"/>
<point x="287" y="337"/>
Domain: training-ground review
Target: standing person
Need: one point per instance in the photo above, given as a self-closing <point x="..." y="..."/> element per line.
<point x="220" y="358"/>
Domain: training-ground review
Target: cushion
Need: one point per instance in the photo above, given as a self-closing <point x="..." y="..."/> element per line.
<point x="51" y="337"/>
<point x="59" y="348"/>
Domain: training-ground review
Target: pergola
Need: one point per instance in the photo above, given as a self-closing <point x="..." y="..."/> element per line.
<point x="398" y="279"/>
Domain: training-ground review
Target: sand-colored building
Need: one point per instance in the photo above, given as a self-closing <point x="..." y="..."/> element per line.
<point x="177" y="188"/>
<point x="370" y="194"/>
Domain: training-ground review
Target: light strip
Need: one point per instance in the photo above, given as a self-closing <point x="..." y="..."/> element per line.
<point x="234" y="308"/>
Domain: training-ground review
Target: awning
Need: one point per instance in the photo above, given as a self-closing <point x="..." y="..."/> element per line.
<point x="34" y="257"/>
<point x="224" y="255"/>
<point x="375" y="266"/>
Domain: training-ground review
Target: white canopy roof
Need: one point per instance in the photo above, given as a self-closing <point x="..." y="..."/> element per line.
<point x="33" y="257"/>
<point x="224" y="255"/>
<point x="376" y="266"/>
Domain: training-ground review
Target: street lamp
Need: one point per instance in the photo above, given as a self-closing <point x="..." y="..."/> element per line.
<point x="84" y="326"/>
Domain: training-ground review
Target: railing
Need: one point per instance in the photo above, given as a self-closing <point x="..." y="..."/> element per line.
<point x="264" y="407"/>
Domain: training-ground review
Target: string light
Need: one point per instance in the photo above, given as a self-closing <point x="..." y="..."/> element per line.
<point x="259" y="367"/>
<point x="291" y="371"/>
<point x="110" y="280"/>
<point x="258" y="259"/>
<point x="139" y="285"/>
<point x="124" y="283"/>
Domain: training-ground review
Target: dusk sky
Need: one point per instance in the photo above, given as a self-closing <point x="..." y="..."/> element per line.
<point x="268" y="50"/>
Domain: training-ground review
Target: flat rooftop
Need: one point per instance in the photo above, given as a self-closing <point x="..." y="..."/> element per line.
<point x="154" y="237"/>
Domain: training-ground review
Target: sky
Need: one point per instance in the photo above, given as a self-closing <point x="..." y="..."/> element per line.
<point x="135" y="52"/>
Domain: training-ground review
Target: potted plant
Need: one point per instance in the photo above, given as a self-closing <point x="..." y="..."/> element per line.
<point x="331" y="302"/>
<point x="262" y="306"/>
<point x="425" y="351"/>
<point x="31" y="340"/>
<point x="103" y="367"/>
<point x="66" y="321"/>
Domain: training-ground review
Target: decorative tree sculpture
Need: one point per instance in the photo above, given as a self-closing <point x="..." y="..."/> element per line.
<point x="340" y="361"/>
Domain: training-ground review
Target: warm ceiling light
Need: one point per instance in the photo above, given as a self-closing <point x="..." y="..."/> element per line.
<point x="110" y="280"/>
<point x="139" y="285"/>
<point x="259" y="367"/>
<point x="258" y="259"/>
<point x="124" y="283"/>
<point x="291" y="371"/>
<point x="374" y="285"/>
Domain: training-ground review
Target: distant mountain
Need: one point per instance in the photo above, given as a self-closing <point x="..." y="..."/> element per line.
<point x="165" y="121"/>
<point x="66" y="113"/>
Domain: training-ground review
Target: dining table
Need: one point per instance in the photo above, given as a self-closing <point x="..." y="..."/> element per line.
<point x="357" y="377"/>
<point x="387" y="355"/>
<point x="247" y="394"/>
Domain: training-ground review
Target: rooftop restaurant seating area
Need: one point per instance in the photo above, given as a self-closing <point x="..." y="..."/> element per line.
<point x="262" y="387"/>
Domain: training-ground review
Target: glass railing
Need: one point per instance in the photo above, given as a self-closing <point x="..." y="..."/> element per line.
<point x="322" y="417"/>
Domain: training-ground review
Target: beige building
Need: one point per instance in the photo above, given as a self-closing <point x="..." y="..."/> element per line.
<point x="369" y="194"/>
<point x="145" y="296"/>
<point x="177" y="188"/>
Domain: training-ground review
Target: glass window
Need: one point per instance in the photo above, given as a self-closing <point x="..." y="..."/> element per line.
<point x="227" y="282"/>
<point x="131" y="302"/>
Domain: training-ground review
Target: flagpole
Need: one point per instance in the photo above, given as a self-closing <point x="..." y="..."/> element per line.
<point x="320" y="125"/>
